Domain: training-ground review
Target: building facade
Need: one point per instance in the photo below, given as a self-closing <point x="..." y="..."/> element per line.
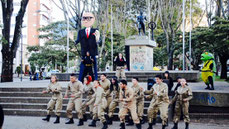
<point x="38" y="14"/>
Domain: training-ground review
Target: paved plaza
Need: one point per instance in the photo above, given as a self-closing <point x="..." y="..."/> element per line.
<point x="220" y="86"/>
<point x="15" y="122"/>
<point x="28" y="122"/>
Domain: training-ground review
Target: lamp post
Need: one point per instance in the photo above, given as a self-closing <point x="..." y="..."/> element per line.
<point x="67" y="39"/>
<point x="190" y="36"/>
<point x="22" y="51"/>
<point x="112" y="42"/>
<point x="183" y="35"/>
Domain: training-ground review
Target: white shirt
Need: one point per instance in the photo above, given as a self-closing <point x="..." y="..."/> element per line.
<point x="88" y="29"/>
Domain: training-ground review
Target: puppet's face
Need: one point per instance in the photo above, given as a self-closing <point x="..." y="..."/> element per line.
<point x="206" y="56"/>
<point x="88" y="19"/>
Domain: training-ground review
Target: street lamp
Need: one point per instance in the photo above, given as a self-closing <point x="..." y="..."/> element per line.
<point x="22" y="50"/>
<point x="184" y="35"/>
<point x="190" y="37"/>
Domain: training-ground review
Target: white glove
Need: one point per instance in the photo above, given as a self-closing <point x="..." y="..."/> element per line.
<point x="97" y="35"/>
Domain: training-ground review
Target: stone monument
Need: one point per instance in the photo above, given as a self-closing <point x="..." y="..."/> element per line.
<point x="139" y="53"/>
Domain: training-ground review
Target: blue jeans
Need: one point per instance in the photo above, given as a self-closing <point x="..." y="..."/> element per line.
<point x="82" y="70"/>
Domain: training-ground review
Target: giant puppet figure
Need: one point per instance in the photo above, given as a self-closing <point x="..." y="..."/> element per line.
<point x="88" y="39"/>
<point x="208" y="70"/>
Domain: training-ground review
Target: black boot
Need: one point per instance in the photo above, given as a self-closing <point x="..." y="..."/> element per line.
<point x="154" y="122"/>
<point x="207" y="88"/>
<point x="71" y="121"/>
<point x="106" y="116"/>
<point x="110" y="121"/>
<point x="47" y="118"/>
<point x="163" y="126"/>
<point x="210" y="79"/>
<point x="122" y="125"/>
<point x="150" y="126"/>
<point x="85" y="117"/>
<point x="186" y="125"/>
<point x="105" y="125"/>
<point x="130" y="123"/>
<point x="212" y="87"/>
<point x="80" y="122"/>
<point x="57" y="120"/>
<point x="175" y="126"/>
<point x="93" y="123"/>
<point x="142" y="121"/>
<point x="139" y="126"/>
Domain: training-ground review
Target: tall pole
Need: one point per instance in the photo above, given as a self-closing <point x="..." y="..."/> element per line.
<point x="190" y="37"/>
<point x="149" y="18"/>
<point x="183" y="35"/>
<point x="21" y="52"/>
<point x="112" y="43"/>
<point x="67" y="39"/>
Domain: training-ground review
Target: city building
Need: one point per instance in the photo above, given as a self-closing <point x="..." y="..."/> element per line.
<point x="38" y="14"/>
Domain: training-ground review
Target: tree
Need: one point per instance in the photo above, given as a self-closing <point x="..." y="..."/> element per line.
<point x="201" y="37"/>
<point x="9" y="49"/>
<point x="119" y="46"/>
<point x="53" y="53"/>
<point x="170" y="12"/>
<point x="221" y="42"/>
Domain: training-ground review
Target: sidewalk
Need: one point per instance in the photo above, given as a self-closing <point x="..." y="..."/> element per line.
<point x="15" y="122"/>
<point x="220" y="87"/>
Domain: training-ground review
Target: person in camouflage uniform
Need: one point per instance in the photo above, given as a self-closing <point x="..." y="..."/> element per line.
<point x="182" y="97"/>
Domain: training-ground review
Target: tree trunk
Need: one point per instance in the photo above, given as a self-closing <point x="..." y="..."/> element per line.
<point x="7" y="69"/>
<point x="223" y="61"/>
<point x="9" y="50"/>
<point x="170" y="59"/>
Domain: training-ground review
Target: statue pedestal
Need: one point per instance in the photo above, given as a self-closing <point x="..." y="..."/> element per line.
<point x="139" y="53"/>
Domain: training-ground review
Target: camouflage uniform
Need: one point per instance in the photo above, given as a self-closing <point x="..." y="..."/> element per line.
<point x="101" y="104"/>
<point x="75" y="89"/>
<point x="139" y="96"/>
<point x="88" y="91"/>
<point x="128" y="105"/>
<point x="181" y="94"/>
<point x="115" y="102"/>
<point x="160" y="101"/>
<point x="57" y="98"/>
<point x="106" y="86"/>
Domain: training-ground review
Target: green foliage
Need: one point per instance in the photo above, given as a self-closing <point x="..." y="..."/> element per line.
<point x="119" y="46"/>
<point x="160" y="56"/>
<point x="54" y="52"/>
<point x="18" y="70"/>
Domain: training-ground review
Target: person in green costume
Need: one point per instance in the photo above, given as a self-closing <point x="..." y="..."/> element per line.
<point x="208" y="70"/>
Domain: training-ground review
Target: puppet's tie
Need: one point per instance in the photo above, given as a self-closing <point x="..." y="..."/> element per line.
<point x="87" y="34"/>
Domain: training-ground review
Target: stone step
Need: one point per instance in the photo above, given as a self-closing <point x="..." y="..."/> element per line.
<point x="35" y="100"/>
<point x="43" y="106"/>
<point x="24" y="94"/>
<point x="143" y="75"/>
<point x="22" y="89"/>
<point x="40" y="106"/>
<point x="44" y="99"/>
<point x="35" y="112"/>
